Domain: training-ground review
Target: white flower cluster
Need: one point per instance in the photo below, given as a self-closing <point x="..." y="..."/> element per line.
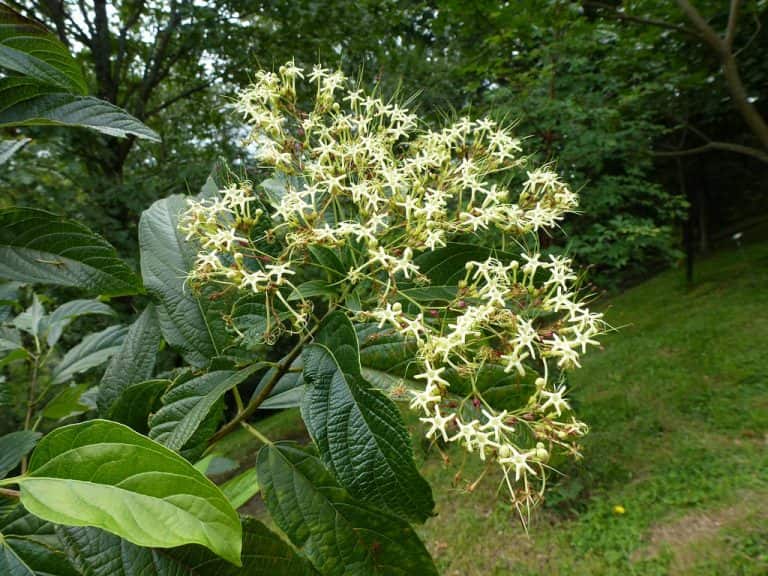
<point x="360" y="174"/>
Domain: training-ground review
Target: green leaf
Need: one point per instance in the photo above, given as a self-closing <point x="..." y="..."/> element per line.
<point x="192" y="323"/>
<point x="289" y="398"/>
<point x="13" y="356"/>
<point x="13" y="447"/>
<point x="6" y="396"/>
<point x="186" y="406"/>
<point x="135" y="404"/>
<point x="10" y="293"/>
<point x="210" y="189"/>
<point x="66" y="403"/>
<point x="30" y="49"/>
<point x="250" y="320"/>
<point x="29" y="547"/>
<point x="92" y="351"/>
<point x="241" y="488"/>
<point x="438" y="294"/>
<point x="310" y="289"/>
<point x="103" y="474"/>
<point x="445" y="266"/>
<point x="384" y="380"/>
<point x="97" y="553"/>
<point x="29" y="321"/>
<point x="385" y="349"/>
<point x="288" y="381"/>
<point x="275" y="188"/>
<point x="134" y="362"/>
<point x="9" y="147"/>
<point x="60" y="109"/>
<point x="51" y="87"/>
<point x="339" y="535"/>
<point x="10" y="339"/>
<point x="55" y="323"/>
<point x="40" y="247"/>
<point x="359" y="432"/>
<point x="329" y="261"/>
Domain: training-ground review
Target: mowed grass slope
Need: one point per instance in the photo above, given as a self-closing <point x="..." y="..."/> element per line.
<point x="678" y="407"/>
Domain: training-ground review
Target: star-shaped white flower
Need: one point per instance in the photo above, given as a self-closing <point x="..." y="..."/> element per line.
<point x="432" y="375"/>
<point x="437" y="423"/>
<point x="555" y="401"/>
<point x="495" y="424"/>
<point x="511" y="457"/>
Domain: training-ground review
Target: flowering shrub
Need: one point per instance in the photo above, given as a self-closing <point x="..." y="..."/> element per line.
<point x="379" y="260"/>
<point x="431" y="236"/>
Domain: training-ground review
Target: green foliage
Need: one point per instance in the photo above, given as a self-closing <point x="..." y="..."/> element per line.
<point x="65" y="314"/>
<point x="13" y="447"/>
<point x="31" y="348"/>
<point x="133" y="363"/>
<point x="192" y="323"/>
<point x="37" y="246"/>
<point x="343" y="536"/>
<point x="186" y="406"/>
<point x="47" y="87"/>
<point x="9" y="147"/>
<point x="137" y="401"/>
<point x="575" y="86"/>
<point x="97" y="553"/>
<point x="241" y="488"/>
<point x="29" y="49"/>
<point x="359" y="431"/>
<point x="94" y="350"/>
<point x="104" y="474"/>
<point x="67" y="403"/>
<point x="595" y="93"/>
<point x="29" y="546"/>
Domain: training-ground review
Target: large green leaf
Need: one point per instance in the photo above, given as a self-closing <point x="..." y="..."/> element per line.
<point x="47" y="86"/>
<point x="103" y="474"/>
<point x="97" y="553"/>
<point x="191" y="322"/>
<point x="40" y="247"/>
<point x="93" y="350"/>
<point x="28" y="48"/>
<point x="340" y="535"/>
<point x="134" y="362"/>
<point x="359" y="432"/>
<point x="13" y="447"/>
<point x="186" y="406"/>
<point x="29" y="546"/>
<point x="60" y="109"/>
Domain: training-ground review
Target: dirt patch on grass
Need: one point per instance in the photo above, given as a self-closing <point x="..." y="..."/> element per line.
<point x="688" y="537"/>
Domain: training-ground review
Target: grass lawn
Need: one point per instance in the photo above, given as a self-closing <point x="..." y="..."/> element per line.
<point x="678" y="407"/>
